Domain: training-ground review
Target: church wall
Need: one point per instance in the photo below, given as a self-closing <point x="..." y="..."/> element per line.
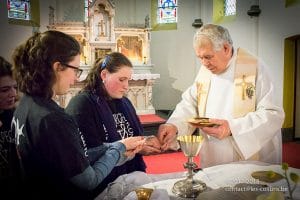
<point x="263" y="36"/>
<point x="131" y="11"/>
<point x="70" y="10"/>
<point x="276" y="24"/>
<point x="173" y="57"/>
<point x="171" y="51"/>
<point x="12" y="35"/>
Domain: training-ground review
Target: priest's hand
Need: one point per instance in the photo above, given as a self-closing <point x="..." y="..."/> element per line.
<point x="167" y="134"/>
<point x="151" y="146"/>
<point x="221" y="131"/>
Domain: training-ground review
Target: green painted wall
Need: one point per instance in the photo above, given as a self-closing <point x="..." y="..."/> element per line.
<point x="288" y="82"/>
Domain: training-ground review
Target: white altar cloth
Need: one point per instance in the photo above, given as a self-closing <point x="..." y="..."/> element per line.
<point x="227" y="175"/>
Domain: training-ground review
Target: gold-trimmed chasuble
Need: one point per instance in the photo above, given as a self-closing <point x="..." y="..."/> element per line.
<point x="244" y="85"/>
<point x="244" y="98"/>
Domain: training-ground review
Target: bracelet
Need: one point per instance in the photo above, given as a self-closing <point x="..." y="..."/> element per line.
<point x="149" y="137"/>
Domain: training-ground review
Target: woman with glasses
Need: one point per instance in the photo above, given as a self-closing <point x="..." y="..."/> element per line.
<point x="104" y="114"/>
<point x="77" y="71"/>
<point x="52" y="151"/>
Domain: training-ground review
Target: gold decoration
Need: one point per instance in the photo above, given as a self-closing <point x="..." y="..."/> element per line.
<point x="250" y="89"/>
<point x="200" y="91"/>
<point x="247" y="88"/>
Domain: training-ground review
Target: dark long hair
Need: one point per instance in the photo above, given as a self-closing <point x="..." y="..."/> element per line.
<point x="112" y="63"/>
<point x="33" y="61"/>
<point x="5" y="68"/>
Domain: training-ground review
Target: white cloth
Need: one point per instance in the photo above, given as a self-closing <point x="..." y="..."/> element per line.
<point x="138" y="179"/>
<point x="230" y="175"/>
<point x="216" y="177"/>
<point x="257" y="132"/>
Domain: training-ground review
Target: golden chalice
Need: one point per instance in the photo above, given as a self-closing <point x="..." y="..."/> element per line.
<point x="189" y="187"/>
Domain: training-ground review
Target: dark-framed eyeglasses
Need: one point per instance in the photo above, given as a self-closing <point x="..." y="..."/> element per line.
<point x="78" y="71"/>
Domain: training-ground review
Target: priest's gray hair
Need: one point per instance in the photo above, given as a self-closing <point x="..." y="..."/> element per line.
<point x="216" y="34"/>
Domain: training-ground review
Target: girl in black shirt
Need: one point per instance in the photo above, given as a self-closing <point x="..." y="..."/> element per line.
<point x="53" y="153"/>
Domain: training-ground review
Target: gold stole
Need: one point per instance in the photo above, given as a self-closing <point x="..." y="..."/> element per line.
<point x="203" y="84"/>
<point x="244" y="81"/>
<point x="244" y="87"/>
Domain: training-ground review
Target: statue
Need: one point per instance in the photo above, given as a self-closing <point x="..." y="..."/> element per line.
<point x="147" y="21"/>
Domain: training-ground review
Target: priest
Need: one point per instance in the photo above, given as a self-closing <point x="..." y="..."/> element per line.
<point x="233" y="90"/>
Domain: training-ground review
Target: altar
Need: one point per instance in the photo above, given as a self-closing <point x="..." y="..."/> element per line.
<point x="140" y="92"/>
<point x="99" y="35"/>
<point x="227" y="181"/>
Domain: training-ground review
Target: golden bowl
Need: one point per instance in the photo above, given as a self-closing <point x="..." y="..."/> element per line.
<point x="143" y="193"/>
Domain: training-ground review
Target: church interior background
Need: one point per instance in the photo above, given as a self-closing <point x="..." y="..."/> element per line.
<point x="98" y="36"/>
<point x="164" y="61"/>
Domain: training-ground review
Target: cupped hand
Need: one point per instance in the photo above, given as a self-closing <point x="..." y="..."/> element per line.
<point x="151" y="146"/>
<point x="134" y="143"/>
<point x="221" y="131"/>
<point x="132" y="152"/>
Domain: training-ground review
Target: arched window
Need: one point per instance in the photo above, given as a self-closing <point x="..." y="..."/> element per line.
<point x="23" y="12"/>
<point x="229" y="7"/>
<point x="164" y="14"/>
<point x="167" y="11"/>
<point x="224" y="10"/>
<point x="18" y="9"/>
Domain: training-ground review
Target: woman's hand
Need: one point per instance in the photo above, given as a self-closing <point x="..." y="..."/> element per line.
<point x="133" y="145"/>
<point x="151" y="146"/>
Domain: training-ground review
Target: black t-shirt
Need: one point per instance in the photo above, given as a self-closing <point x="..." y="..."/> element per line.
<point x="10" y="177"/>
<point x="6" y="141"/>
<point x="51" y="148"/>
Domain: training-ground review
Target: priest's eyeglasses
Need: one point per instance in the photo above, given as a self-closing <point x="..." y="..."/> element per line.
<point x="78" y="71"/>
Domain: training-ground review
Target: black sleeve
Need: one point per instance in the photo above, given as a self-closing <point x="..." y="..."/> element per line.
<point x="83" y="110"/>
<point x="62" y="145"/>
